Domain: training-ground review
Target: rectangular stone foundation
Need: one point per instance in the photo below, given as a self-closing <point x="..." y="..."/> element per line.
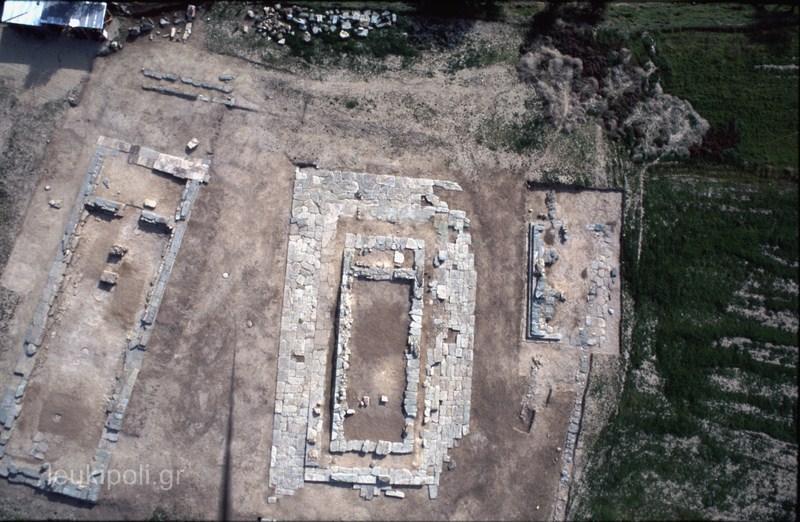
<point x="18" y="468"/>
<point x="321" y="200"/>
<point x="415" y="276"/>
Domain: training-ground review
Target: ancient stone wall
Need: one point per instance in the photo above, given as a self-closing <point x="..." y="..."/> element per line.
<point x="321" y="198"/>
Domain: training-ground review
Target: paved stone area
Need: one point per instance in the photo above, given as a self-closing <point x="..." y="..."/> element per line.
<point x="87" y="487"/>
<point x="321" y="199"/>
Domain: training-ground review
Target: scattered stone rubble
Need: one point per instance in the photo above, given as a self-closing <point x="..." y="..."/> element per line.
<point x="550" y="203"/>
<point x="530" y="402"/>
<point x="180" y="32"/>
<point x="11" y="404"/>
<point x="179" y="20"/>
<point x="277" y="22"/>
<point x="118" y="250"/>
<point x="321" y="198"/>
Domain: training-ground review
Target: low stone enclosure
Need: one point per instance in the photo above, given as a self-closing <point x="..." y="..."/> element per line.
<point x="572" y="304"/>
<point x="378" y="273"/>
<point x="311" y="404"/>
<point x="94" y="319"/>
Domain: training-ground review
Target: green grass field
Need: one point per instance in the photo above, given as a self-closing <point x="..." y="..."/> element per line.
<point x="659" y="16"/>
<point x="719" y="74"/>
<point x="704" y="241"/>
<point x="736" y="64"/>
<point x="706" y="425"/>
<point x="711" y="54"/>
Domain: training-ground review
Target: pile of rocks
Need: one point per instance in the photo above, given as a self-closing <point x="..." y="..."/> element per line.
<point x="277" y="22"/>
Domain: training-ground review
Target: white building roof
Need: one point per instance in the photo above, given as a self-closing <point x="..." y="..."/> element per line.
<point x="89" y="15"/>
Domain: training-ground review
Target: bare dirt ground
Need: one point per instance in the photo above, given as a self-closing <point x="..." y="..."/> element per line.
<point x="378" y="366"/>
<point x="37" y="74"/>
<point x="200" y="420"/>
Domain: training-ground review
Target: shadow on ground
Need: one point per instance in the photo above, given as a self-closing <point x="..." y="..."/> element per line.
<point x="44" y="53"/>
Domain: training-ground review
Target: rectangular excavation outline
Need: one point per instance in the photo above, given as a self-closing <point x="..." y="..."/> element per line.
<point x="350" y="270"/>
<point x="195" y="172"/>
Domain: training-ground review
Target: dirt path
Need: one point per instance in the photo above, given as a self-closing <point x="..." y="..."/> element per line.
<point x="638" y="203"/>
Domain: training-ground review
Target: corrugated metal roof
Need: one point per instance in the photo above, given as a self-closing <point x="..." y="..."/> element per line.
<point x="89" y="15"/>
<point x="24" y="13"/>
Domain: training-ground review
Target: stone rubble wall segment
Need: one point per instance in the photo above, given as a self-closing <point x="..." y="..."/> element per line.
<point x="588" y="341"/>
<point x="173" y="78"/>
<point x="540" y="295"/>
